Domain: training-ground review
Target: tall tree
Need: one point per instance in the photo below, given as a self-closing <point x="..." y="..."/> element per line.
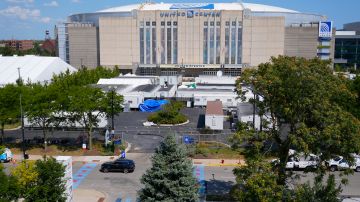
<point x="9" y="106"/>
<point x="41" y="108"/>
<point x="170" y="177"/>
<point x="26" y="176"/>
<point x="50" y="185"/>
<point x="301" y="97"/>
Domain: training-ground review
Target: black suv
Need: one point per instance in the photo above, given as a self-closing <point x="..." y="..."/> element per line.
<point x="119" y="165"/>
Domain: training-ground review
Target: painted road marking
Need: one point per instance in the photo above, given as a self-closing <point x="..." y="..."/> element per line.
<point x="82" y="173"/>
<point x="199" y="173"/>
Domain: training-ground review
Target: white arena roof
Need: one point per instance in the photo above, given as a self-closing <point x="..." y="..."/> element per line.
<point x="33" y="68"/>
<point x="209" y="6"/>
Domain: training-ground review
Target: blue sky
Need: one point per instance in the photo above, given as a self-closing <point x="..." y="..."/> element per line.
<point x="28" y="19"/>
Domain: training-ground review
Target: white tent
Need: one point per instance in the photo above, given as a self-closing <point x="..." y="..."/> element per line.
<point x="33" y="68"/>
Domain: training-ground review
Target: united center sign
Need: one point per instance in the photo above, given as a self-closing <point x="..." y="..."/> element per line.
<point x="191" y="13"/>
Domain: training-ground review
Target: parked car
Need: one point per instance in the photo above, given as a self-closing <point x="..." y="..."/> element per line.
<point x="6" y="156"/>
<point x="306" y="162"/>
<point x="119" y="165"/>
<point x="339" y="163"/>
<point x="289" y="165"/>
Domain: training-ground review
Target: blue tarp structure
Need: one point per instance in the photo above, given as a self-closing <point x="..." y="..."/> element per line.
<point x="152" y="105"/>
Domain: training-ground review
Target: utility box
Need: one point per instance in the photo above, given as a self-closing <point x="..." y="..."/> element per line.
<point x="214" y="117"/>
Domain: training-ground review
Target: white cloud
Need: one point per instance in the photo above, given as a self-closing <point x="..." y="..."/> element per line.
<point x="52" y="4"/>
<point x="75" y="1"/>
<point x="24" y="14"/>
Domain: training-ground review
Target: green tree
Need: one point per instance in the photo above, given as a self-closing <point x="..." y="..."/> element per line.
<point x="26" y="176"/>
<point x="40" y="108"/>
<point x="9" y="189"/>
<point x="50" y="185"/>
<point x="301" y="98"/>
<point x="170" y="177"/>
<point x="9" y="106"/>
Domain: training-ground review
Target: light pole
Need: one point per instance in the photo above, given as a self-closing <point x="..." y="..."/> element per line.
<point x="112" y="88"/>
<point x="22" y="118"/>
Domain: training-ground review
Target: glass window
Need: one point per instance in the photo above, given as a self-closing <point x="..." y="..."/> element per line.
<point x="233" y="45"/>
<point x="239" y="48"/>
<point x="154" y="46"/>
<point x="154" y="23"/>
<point x="217" y="45"/>
<point x="175" y="44"/>
<point x="227" y="23"/>
<point x="147" y="23"/>
<point x="148" y="46"/>
<point x="141" y="45"/>
<point x="212" y="23"/>
<point x="168" y="23"/>
<point x="162" y="46"/>
<point x="206" y="23"/>
<point x="141" y="23"/>
<point x="233" y="23"/>
<point x="212" y="44"/>
<point x="162" y="23"/>
<point x="205" y="46"/>
<point x="218" y="24"/>
<point x="175" y="23"/>
<point x="168" y="35"/>
<point x="227" y="45"/>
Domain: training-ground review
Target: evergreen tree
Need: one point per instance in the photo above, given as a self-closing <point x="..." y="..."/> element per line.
<point x="170" y="178"/>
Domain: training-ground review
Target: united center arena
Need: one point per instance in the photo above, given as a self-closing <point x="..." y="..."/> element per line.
<point x="191" y="39"/>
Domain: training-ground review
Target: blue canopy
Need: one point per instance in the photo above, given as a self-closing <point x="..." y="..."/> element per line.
<point x="152" y="105"/>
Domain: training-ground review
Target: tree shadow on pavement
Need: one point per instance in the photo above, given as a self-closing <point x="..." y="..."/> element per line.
<point x="218" y="187"/>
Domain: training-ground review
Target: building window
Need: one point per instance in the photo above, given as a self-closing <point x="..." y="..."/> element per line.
<point x="205" y="42"/>
<point x="175" y="23"/>
<point x="148" y="46"/>
<point x="212" y="44"/>
<point x="227" y="45"/>
<point x="212" y="23"/>
<point x="162" y="23"/>
<point x="227" y="23"/>
<point x="154" y="46"/>
<point x="206" y="23"/>
<point x="175" y="44"/>
<point x="218" y="24"/>
<point x="233" y="23"/>
<point x="147" y="23"/>
<point x="142" y="46"/>
<point x="154" y="23"/>
<point x="218" y="45"/>
<point x="233" y="45"/>
<point x="168" y="23"/>
<point x="168" y="35"/>
<point x="239" y="46"/>
<point x="163" y="46"/>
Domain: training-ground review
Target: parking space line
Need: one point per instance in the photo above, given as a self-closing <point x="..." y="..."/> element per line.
<point x="199" y="173"/>
<point x="82" y="173"/>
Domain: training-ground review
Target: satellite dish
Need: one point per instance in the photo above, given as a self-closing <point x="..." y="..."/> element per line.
<point x="219" y="74"/>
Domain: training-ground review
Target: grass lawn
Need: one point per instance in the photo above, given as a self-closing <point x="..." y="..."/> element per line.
<point x="56" y="150"/>
<point x="12" y="126"/>
<point x="213" y="150"/>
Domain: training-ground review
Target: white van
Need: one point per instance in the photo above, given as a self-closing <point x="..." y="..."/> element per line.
<point x="339" y="163"/>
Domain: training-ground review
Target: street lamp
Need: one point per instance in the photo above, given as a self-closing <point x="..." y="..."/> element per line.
<point x="112" y="88"/>
<point x="22" y="118"/>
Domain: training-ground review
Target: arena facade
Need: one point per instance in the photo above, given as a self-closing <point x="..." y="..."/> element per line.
<point x="191" y="38"/>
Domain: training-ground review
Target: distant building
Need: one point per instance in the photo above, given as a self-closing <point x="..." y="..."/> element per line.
<point x="191" y="39"/>
<point x="347" y="46"/>
<point x="19" y="45"/>
<point x="214" y="116"/>
<point x="49" y="46"/>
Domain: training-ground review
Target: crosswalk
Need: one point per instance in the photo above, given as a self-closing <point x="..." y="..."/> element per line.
<point x="82" y="173"/>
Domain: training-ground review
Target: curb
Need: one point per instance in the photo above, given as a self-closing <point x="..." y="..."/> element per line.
<point x="168" y="125"/>
<point x="17" y="128"/>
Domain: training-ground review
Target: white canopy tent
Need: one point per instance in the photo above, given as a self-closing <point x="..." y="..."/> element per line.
<point x="32" y="68"/>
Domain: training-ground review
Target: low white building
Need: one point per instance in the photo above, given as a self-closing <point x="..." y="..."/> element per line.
<point x="214" y="116"/>
<point x="32" y="68"/>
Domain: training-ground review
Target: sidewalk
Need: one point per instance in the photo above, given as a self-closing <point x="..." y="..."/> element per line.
<point x="88" y="195"/>
<point x="102" y="159"/>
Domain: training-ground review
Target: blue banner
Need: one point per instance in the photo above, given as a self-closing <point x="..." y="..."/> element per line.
<point x="192" y="6"/>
